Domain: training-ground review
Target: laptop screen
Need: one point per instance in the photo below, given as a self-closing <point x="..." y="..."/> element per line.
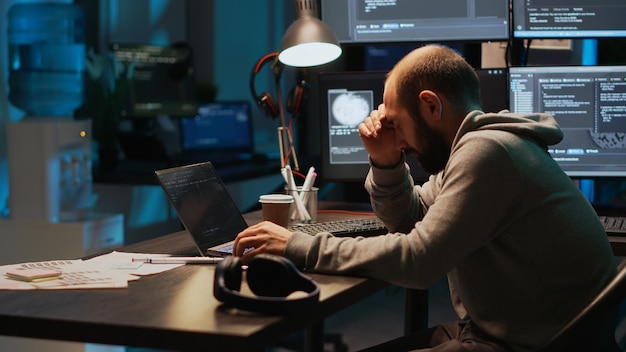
<point x="218" y="126"/>
<point x="202" y="203"/>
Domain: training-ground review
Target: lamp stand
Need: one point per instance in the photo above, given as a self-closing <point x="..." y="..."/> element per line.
<point x="285" y="136"/>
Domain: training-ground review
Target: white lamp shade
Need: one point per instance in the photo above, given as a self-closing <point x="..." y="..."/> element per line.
<point x="308" y="42"/>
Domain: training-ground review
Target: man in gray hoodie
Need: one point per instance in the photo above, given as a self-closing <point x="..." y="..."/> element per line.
<point x="521" y="246"/>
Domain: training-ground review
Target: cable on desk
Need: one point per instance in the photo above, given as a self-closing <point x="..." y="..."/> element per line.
<point x="368" y="213"/>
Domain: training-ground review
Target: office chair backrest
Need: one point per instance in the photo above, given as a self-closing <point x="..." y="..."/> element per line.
<point x="593" y="329"/>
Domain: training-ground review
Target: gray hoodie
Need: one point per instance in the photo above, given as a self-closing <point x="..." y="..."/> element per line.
<point x="521" y="246"/>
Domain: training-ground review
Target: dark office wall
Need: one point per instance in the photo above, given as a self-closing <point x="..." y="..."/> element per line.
<point x="227" y="37"/>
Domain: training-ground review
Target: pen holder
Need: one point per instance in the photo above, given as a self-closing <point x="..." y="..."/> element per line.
<point x="304" y="209"/>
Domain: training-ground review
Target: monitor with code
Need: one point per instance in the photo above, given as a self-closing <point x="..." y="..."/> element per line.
<point x="589" y="103"/>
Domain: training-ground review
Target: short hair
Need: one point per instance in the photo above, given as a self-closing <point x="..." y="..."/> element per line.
<point x="440" y="69"/>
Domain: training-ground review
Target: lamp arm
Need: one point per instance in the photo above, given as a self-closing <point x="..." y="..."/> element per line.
<point x="286" y="146"/>
<point x="277" y="68"/>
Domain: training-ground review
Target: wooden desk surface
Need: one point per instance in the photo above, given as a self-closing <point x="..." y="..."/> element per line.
<point x="172" y="310"/>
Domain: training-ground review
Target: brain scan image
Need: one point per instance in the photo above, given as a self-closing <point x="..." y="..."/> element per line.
<point x="350" y="109"/>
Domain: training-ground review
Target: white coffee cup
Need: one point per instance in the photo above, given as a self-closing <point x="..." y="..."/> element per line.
<point x="276" y="208"/>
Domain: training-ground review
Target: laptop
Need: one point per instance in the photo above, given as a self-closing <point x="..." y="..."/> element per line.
<point x="204" y="206"/>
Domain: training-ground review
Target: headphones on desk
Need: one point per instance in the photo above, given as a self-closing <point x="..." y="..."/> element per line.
<point x="271" y="278"/>
<point x="268" y="105"/>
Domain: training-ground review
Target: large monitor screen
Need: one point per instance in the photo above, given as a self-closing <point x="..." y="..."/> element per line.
<point x="589" y="103"/>
<point x="389" y="21"/>
<point x="569" y="18"/>
<point x="161" y="80"/>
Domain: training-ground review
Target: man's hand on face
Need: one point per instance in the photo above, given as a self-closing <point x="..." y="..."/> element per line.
<point x="379" y="139"/>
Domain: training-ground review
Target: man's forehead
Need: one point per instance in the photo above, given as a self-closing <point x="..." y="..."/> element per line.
<point x="388" y="89"/>
<point x="389" y="94"/>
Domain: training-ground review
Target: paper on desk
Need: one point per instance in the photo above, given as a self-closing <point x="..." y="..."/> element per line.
<point x="77" y="274"/>
<point x="124" y="261"/>
<point x="112" y="270"/>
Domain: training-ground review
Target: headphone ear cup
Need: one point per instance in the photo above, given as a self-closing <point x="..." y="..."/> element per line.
<point x="264" y="100"/>
<point x="270" y="108"/>
<point x="272" y="276"/>
<point x="232" y="272"/>
<point x="295" y="99"/>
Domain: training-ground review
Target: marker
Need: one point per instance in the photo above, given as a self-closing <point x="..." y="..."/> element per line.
<point x="180" y="260"/>
<point x="308" y="184"/>
<point x="291" y="184"/>
<point x="309" y="179"/>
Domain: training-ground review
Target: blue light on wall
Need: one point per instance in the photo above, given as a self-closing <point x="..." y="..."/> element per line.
<point x="589" y="57"/>
<point x="589" y="52"/>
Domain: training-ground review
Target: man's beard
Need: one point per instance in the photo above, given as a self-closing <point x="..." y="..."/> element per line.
<point x="434" y="157"/>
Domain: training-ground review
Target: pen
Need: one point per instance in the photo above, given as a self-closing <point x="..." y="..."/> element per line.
<point x="180" y="260"/>
<point x="291" y="184"/>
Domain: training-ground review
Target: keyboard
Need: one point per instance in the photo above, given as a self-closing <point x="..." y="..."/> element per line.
<point x="372" y="226"/>
<point x="369" y="226"/>
<point x="614" y="225"/>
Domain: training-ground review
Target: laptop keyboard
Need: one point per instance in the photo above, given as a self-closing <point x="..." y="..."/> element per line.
<point x="614" y="225"/>
<point x="369" y="226"/>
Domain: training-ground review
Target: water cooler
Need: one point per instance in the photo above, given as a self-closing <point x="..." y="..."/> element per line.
<point x="49" y="168"/>
<point x="49" y="152"/>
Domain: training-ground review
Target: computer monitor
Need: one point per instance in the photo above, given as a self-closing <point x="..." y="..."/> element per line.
<point x="367" y="21"/>
<point x="346" y="99"/>
<point x="161" y="80"/>
<point x="218" y="126"/>
<point x="589" y="103"/>
<point x="568" y="19"/>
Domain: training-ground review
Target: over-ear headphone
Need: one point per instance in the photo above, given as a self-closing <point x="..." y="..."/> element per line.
<point x="295" y="99"/>
<point x="271" y="278"/>
<point x="265" y="101"/>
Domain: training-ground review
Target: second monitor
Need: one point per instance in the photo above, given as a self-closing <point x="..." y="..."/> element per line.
<point x="588" y="104"/>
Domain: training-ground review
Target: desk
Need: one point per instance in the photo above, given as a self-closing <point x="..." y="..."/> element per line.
<point x="173" y="310"/>
<point x="618" y="243"/>
<point x="176" y="309"/>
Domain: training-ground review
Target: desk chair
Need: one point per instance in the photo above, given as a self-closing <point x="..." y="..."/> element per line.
<point x="593" y="329"/>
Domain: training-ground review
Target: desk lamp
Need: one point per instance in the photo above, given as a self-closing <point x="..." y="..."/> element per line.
<point x="307" y="42"/>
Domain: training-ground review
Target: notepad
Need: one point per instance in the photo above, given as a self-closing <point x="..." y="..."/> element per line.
<point x="34" y="274"/>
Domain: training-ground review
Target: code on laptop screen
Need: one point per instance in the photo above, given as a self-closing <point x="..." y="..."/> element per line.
<point x="202" y="203"/>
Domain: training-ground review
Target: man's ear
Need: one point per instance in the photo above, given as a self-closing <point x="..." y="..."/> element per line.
<point x="432" y="101"/>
